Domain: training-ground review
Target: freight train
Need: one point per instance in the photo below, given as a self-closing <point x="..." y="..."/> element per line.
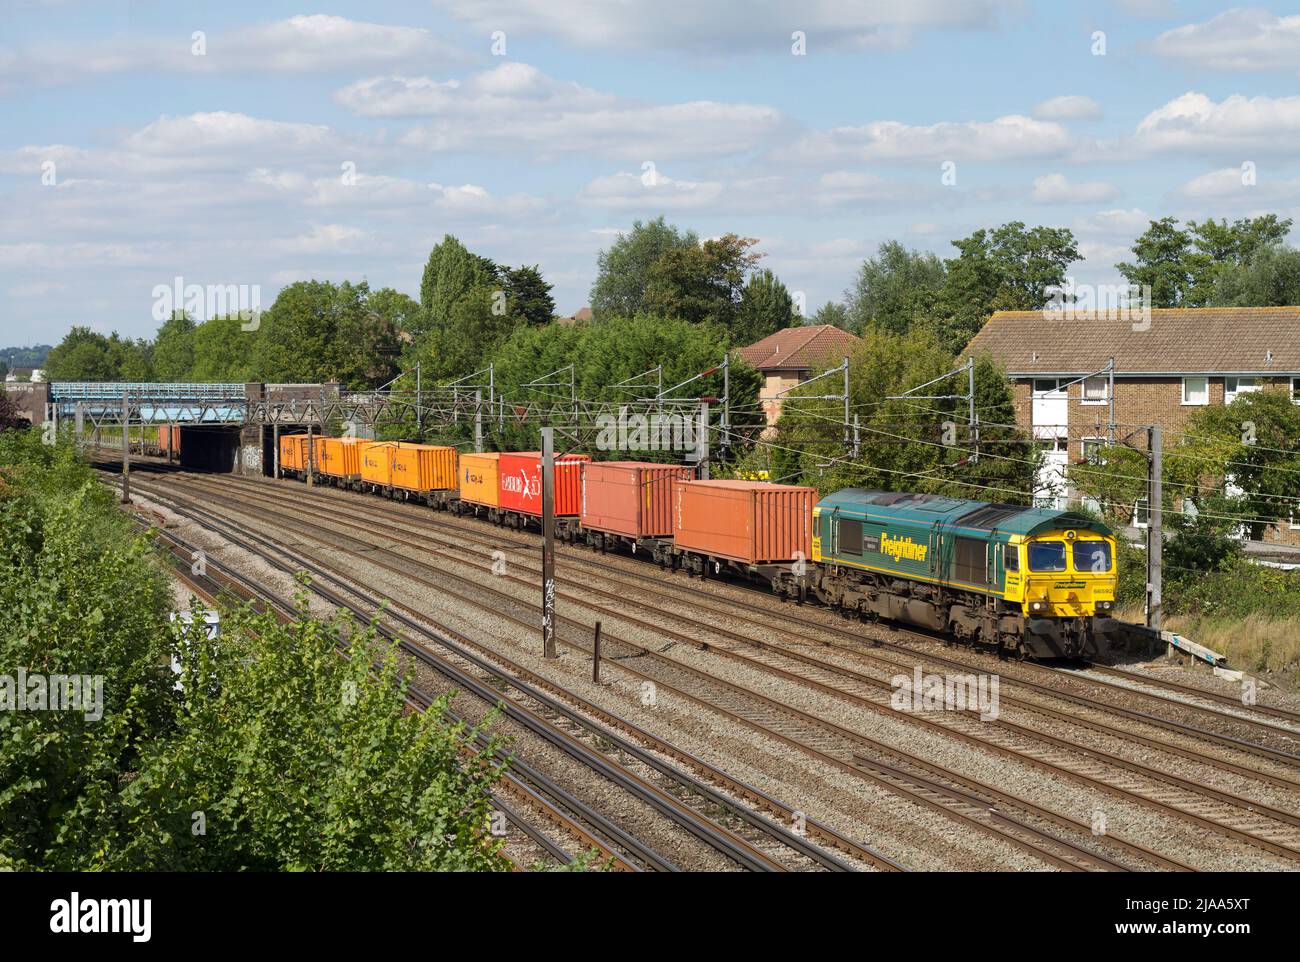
<point x="1025" y="582"/>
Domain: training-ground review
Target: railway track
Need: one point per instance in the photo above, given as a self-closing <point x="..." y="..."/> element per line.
<point x="845" y="750"/>
<point x="812" y="854"/>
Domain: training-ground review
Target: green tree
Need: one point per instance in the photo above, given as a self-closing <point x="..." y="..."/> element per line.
<point x="449" y="274"/>
<point x="528" y="296"/>
<point x="317" y="331"/>
<point x="895" y="289"/>
<point x="1271" y="278"/>
<point x="82" y="355"/>
<point x="906" y="445"/>
<point x="1161" y="263"/>
<point x="1009" y="268"/>
<point x="623" y="269"/>
<point x="765" y="307"/>
<point x="834" y="314"/>
<point x="173" y="348"/>
<point x="701" y="283"/>
<point x="297" y="758"/>
<point x="1182" y="266"/>
<point x="223" y="352"/>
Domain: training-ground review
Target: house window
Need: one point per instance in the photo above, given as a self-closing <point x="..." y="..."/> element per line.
<point x="1295" y="390"/>
<point x="1141" y="513"/>
<point x="1095" y="390"/>
<point x="1292" y="523"/>
<point x="1196" y="390"/>
<point x="1092" y="450"/>
<point x="1235" y="386"/>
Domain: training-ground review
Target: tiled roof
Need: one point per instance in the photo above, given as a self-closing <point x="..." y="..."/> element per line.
<point x="1194" y="340"/>
<point x="799" y="348"/>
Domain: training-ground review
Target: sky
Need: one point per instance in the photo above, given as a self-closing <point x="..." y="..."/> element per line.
<point x="261" y="143"/>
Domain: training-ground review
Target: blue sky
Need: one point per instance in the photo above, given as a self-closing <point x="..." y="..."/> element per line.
<point x="129" y="156"/>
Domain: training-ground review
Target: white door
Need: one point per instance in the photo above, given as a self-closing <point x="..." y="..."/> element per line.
<point x="1051" y="408"/>
<point x="1050" y="491"/>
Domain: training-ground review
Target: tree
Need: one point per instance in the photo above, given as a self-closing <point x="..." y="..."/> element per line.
<point x="1009" y="268"/>
<point x="173" y="349"/>
<point x="294" y="757"/>
<point x="82" y="355"/>
<point x="11" y="418"/>
<point x="765" y="307"/>
<point x="702" y="283"/>
<point x="895" y="289"/>
<point x="834" y="314"/>
<point x="623" y="269"/>
<point x="477" y="324"/>
<point x="1181" y="267"/>
<point x="449" y="274"/>
<point x="317" y="331"/>
<point x="1271" y="278"/>
<point x="528" y="296"/>
<point x="906" y="445"/>
<point x="223" y="351"/>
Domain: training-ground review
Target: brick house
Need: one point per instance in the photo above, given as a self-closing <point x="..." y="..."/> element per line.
<point x="791" y="356"/>
<point x="1165" y="370"/>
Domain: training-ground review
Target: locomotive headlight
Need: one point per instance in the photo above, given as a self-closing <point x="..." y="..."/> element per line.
<point x="1105" y="605"/>
<point x="1038" y="606"/>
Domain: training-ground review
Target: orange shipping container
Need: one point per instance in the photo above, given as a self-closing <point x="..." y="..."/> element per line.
<point x="423" y="467"/>
<point x="377" y="462"/>
<point x="339" y="457"/>
<point x="480" y="479"/>
<point x="751" y="522"/>
<point x="293" y="452"/>
<point x="632" y="498"/>
<point x="521" y="482"/>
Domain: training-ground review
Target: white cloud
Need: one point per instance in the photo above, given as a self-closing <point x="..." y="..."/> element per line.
<point x="302" y="44"/>
<point x="1068" y="107"/>
<point x="1115" y="222"/>
<point x="850" y="187"/>
<point x="1195" y="122"/>
<point x="650" y="190"/>
<point x="1228" y="185"/>
<point x="1239" y="40"/>
<point x="1056" y="189"/>
<point x="516" y="106"/>
<point x="726" y="27"/>
<point x="1005" y="138"/>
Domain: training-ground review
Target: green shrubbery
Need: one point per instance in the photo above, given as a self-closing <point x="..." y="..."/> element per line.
<point x="276" y="754"/>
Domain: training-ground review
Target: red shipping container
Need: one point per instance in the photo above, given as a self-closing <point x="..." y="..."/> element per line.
<point x="751" y="522"/>
<point x="631" y="498"/>
<point x="521" y="482"/>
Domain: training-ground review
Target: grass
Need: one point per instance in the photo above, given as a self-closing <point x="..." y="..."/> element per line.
<point x="1260" y="643"/>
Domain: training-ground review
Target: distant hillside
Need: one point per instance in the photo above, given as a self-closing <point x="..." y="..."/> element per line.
<point x="13" y="357"/>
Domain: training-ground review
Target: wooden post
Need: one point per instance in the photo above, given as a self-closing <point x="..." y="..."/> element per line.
<point x="548" y="543"/>
<point x="595" y="657"/>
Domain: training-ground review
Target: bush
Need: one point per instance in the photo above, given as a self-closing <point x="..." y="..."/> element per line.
<point x="277" y="754"/>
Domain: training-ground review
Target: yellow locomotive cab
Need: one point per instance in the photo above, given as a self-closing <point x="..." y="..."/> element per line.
<point x="1065" y="574"/>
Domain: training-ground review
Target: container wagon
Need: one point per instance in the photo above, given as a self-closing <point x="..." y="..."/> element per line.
<point x="423" y="472"/>
<point x="293" y="455"/>
<point x="339" y="460"/>
<point x="629" y="504"/>
<point x="479" y="489"/>
<point x="754" y="529"/>
<point x="521" y="490"/>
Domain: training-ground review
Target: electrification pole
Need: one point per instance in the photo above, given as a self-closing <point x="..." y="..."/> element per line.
<point x="548" y="542"/>
<point x="1155" y="532"/>
<point x="478" y="420"/>
<point x="126" y="446"/>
